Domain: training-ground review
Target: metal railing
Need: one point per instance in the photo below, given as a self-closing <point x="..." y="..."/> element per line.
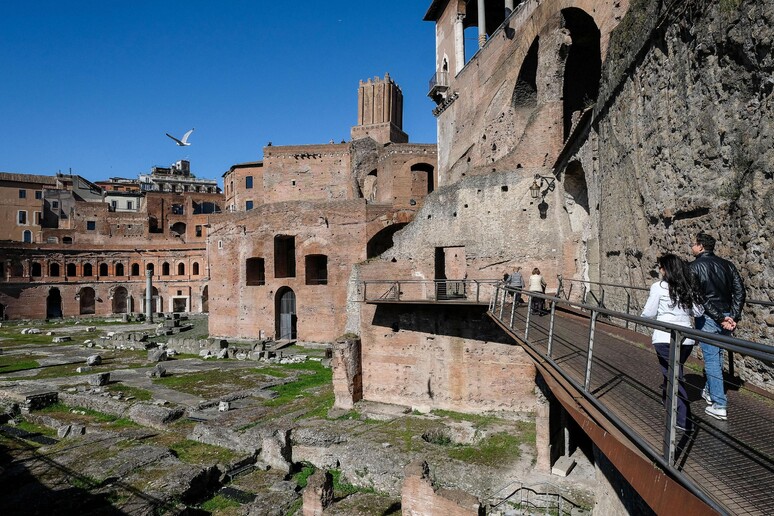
<point x="439" y="79"/>
<point x="596" y="372"/>
<point x="449" y="291"/>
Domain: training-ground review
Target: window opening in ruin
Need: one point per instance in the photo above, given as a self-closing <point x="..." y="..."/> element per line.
<point x="36" y="270"/>
<point x="135" y="269"/>
<point x="53" y="270"/>
<point x="153" y="225"/>
<point x="178" y="229"/>
<point x="17" y="269"/>
<point x="316" y="267"/>
<point x="582" y="68"/>
<point x="54" y="303"/>
<point x="370" y="185"/>
<point x="285" y="310"/>
<point x="165" y="269"/>
<point x="22" y="217"/>
<point x="248" y="182"/>
<point x="177" y="209"/>
<point x="22" y="194"/>
<point x="248" y="205"/>
<point x="205" y="208"/>
<point x="91" y="225"/>
<point x="38" y="218"/>
<point x="129" y="205"/>
<point x="120" y="301"/>
<point x="422" y="180"/>
<point x="205" y="299"/>
<point x="88" y="269"/>
<point x="198" y="230"/>
<point x="67" y="240"/>
<point x="87" y="301"/>
<point x="284" y="256"/>
<point x="38" y="194"/>
<point x="103" y="269"/>
<point x="179" y="304"/>
<point x="70" y="269"/>
<point x="119" y="269"/>
<point x="255" y="271"/>
<point x="525" y="92"/>
<point x="181" y="269"/>
<point x="52" y="240"/>
<point x="27" y="236"/>
<point x="382" y="240"/>
<point x="195" y="268"/>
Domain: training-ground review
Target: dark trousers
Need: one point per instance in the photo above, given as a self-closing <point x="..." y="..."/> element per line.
<point x="662" y="350"/>
<point x="537" y="305"/>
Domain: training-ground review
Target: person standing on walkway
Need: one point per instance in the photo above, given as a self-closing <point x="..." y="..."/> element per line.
<point x="537" y="284"/>
<point x="674" y="299"/>
<point x="516" y="280"/>
<point x="723" y="291"/>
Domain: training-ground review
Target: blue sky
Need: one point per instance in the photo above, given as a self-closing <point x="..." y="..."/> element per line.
<point x="94" y="85"/>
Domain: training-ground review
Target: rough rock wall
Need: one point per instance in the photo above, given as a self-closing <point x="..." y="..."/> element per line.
<point x="686" y="141"/>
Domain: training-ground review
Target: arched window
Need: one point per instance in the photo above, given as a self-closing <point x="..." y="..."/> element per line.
<point x="150" y="267"/>
<point x="87" y="269"/>
<point x="27" y="236"/>
<point x="181" y="269"/>
<point x="103" y="269"/>
<point x="178" y="229"/>
<point x="119" y="269"/>
<point x="165" y="269"/>
<point x="195" y="268"/>
<point x="135" y="269"/>
<point x="70" y="269"/>
<point x="87" y="301"/>
<point x="53" y="270"/>
<point x="36" y="270"/>
<point x="17" y="269"/>
<point x="67" y="240"/>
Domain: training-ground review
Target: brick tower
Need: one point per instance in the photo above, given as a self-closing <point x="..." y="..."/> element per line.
<point x="380" y="111"/>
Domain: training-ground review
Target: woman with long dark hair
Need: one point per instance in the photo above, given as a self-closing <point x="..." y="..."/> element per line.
<point x="674" y="299"/>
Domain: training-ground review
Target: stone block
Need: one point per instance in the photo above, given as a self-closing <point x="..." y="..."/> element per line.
<point x="153" y="415"/>
<point x="563" y="466"/>
<point x="93" y="360"/>
<point x="157" y="355"/>
<point x="84" y="369"/>
<point x="61" y="339"/>
<point x="224" y="406"/>
<point x="318" y="493"/>
<point x="99" y="379"/>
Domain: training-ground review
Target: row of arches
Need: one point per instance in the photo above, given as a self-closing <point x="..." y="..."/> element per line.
<point x="121" y="301"/>
<point x="16" y="269"/>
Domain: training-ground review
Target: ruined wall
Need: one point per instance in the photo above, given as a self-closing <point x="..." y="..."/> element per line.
<point x="305" y="173"/>
<point x="686" y="142"/>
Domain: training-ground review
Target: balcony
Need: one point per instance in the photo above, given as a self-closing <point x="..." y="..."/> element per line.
<point x="439" y="85"/>
<point x="452" y="292"/>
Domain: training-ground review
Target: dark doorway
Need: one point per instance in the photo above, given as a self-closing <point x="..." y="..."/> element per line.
<point x="284" y="256"/>
<point x="583" y="66"/>
<point x="54" y="304"/>
<point x="285" y="308"/>
<point x="120" y="301"/>
<point x="87" y="301"/>
<point x="179" y="304"/>
<point x="205" y="300"/>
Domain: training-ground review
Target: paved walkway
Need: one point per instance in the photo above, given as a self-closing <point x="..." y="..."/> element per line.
<point x="733" y="461"/>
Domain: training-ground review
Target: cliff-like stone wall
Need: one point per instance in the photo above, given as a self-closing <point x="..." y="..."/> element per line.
<point x="686" y="141"/>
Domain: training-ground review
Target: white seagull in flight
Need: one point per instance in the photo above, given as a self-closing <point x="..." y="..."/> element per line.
<point x="184" y="141"/>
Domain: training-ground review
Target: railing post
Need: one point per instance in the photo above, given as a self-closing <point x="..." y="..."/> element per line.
<point x="673" y="378"/>
<point x="628" y="305"/>
<point x="529" y="316"/>
<point x="590" y="352"/>
<point x="502" y="305"/>
<point x="397" y="293"/>
<point x="551" y="328"/>
<point x="513" y="309"/>
<point x="365" y="287"/>
<point x="478" y="291"/>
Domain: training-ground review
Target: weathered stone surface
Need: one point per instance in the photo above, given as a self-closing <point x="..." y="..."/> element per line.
<point x="318" y="493"/>
<point x="276" y="449"/>
<point x="418" y="497"/>
<point x="84" y="369"/>
<point x="347" y="373"/>
<point x="157" y="355"/>
<point x="158" y="371"/>
<point x="99" y="379"/>
<point x="153" y="415"/>
<point x="276" y="501"/>
<point x="93" y="360"/>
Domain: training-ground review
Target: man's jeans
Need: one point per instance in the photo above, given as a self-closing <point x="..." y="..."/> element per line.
<point x="713" y="361"/>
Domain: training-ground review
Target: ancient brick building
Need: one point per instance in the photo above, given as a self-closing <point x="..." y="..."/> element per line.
<point x="281" y="261"/>
<point x="92" y="247"/>
<point x="508" y="116"/>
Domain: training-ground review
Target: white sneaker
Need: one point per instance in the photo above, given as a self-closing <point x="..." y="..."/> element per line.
<point x="716" y="412"/>
<point x="705" y="394"/>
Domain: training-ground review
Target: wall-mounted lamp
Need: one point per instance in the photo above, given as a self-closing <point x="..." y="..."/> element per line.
<point x="535" y="192"/>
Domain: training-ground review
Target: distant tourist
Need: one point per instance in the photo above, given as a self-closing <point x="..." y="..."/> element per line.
<point x="516" y="280"/>
<point x="537" y="284"/>
<point x="723" y="291"/>
<point x="674" y="299"/>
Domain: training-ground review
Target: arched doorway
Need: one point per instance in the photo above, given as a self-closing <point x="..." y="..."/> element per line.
<point x="285" y="310"/>
<point x="382" y="240"/>
<point x="155" y="300"/>
<point x="120" y="301"/>
<point x="583" y="66"/>
<point x="87" y="301"/>
<point x="54" y="304"/>
<point x="205" y="299"/>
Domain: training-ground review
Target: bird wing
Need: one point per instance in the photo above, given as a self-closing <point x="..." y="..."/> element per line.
<point x="178" y="141"/>
<point x="186" y="135"/>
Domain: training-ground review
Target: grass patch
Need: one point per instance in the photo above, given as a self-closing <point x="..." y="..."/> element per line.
<point x="128" y="390"/>
<point x="36" y="429"/>
<point x="478" y="420"/>
<point x="215" y="383"/>
<point x="218" y="503"/>
<point x="497" y="449"/>
<point x="317" y="377"/>
<point x="302" y="477"/>
<point x="82" y="413"/>
<point x="342" y="489"/>
<point x="13" y="363"/>
<point x="194" y="452"/>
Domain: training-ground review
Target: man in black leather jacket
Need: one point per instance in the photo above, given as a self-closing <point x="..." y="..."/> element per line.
<point x="723" y="292"/>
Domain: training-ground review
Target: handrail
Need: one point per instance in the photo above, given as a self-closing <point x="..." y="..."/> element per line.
<point x="416" y="290"/>
<point x="665" y="457"/>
